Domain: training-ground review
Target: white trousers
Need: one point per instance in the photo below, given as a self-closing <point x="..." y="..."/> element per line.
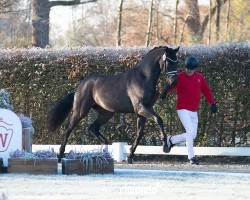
<point x="189" y="120"/>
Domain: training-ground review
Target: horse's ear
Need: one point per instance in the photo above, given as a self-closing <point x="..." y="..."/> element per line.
<point x="177" y="49"/>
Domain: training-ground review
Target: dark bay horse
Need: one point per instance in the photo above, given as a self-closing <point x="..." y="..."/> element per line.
<point x="133" y="91"/>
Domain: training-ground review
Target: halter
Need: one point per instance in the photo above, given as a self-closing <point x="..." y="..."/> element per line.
<point x="164" y="57"/>
<point x="171" y="73"/>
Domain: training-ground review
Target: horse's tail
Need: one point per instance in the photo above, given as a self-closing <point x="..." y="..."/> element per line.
<point x="60" y="111"/>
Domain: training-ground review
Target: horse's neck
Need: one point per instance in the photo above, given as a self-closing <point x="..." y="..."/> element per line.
<point x="151" y="69"/>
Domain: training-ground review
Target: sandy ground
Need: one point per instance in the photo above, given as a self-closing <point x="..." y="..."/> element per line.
<point x="178" y="181"/>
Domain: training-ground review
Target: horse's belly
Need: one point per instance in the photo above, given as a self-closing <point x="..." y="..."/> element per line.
<point x="120" y="105"/>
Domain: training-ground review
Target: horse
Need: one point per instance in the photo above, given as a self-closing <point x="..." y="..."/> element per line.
<point x="133" y="91"/>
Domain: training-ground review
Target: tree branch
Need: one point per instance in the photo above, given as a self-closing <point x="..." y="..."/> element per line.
<point x="13" y="11"/>
<point x="205" y="21"/>
<point x="70" y="3"/>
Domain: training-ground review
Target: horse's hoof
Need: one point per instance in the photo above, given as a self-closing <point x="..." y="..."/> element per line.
<point x="166" y="149"/>
<point x="130" y="160"/>
<point x="59" y="159"/>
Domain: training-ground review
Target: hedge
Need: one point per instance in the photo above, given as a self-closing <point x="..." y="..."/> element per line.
<point x="36" y="78"/>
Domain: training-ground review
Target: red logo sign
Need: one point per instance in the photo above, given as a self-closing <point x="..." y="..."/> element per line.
<point x="5" y="136"/>
<point x="10" y="134"/>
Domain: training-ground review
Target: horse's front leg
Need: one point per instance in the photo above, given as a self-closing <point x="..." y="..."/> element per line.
<point x="166" y="147"/>
<point x="159" y="121"/>
<point x="140" y="127"/>
<point x="150" y="114"/>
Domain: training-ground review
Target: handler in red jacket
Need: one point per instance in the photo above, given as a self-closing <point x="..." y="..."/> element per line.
<point x="190" y="86"/>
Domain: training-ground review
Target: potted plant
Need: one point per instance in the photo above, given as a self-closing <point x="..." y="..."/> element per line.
<point x="81" y="163"/>
<point x="40" y="162"/>
<point x="4" y="100"/>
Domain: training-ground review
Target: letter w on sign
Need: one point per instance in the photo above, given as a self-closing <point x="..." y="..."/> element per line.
<point x="5" y="138"/>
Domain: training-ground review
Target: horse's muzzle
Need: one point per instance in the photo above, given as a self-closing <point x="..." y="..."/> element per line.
<point x="175" y="80"/>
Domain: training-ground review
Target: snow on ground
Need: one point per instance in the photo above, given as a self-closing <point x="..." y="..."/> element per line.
<point x="128" y="184"/>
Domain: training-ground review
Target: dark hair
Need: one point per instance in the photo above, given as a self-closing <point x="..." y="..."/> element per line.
<point x="191" y="63"/>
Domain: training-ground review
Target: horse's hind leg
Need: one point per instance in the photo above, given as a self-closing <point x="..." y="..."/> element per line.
<point x="75" y="118"/>
<point x="80" y="110"/>
<point x="140" y="127"/>
<point x="103" y="117"/>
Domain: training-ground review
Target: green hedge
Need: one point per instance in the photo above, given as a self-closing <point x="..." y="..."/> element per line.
<point x="36" y="78"/>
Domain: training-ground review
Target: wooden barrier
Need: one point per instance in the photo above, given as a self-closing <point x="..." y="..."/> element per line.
<point x="38" y="166"/>
<point x="120" y="150"/>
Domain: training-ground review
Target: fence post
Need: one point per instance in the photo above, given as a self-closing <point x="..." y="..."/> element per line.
<point x="118" y="154"/>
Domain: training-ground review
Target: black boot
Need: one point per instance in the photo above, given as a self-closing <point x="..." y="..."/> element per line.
<point x="193" y="161"/>
<point x="169" y="142"/>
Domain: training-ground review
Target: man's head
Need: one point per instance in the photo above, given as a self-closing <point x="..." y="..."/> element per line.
<point x="191" y="63"/>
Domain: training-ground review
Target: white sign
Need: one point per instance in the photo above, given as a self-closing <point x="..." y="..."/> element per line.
<point x="10" y="134"/>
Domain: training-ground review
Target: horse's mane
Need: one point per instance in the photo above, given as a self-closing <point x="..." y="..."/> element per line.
<point x="138" y="64"/>
<point x="149" y="53"/>
<point x="155" y="49"/>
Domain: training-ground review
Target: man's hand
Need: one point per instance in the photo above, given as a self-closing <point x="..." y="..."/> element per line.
<point x="165" y="91"/>
<point x="213" y="108"/>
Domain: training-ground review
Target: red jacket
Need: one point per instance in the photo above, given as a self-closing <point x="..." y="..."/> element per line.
<point x="189" y="90"/>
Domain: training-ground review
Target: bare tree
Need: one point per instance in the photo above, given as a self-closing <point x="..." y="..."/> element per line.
<point x="40" y="19"/>
<point x="7" y="5"/>
<point x="210" y="22"/>
<point x="208" y="18"/>
<point x="175" y="20"/>
<point x="119" y="26"/>
<point x="183" y="27"/>
<point x="193" y="20"/>
<point x="150" y="16"/>
<point x="134" y="23"/>
<point x="218" y="20"/>
<point x="103" y="32"/>
<point x="14" y="23"/>
<point x="228" y="15"/>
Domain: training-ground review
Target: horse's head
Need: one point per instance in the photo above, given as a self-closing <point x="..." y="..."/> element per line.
<point x="168" y="64"/>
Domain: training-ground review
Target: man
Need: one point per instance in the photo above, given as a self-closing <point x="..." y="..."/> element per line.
<point x="190" y="86"/>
